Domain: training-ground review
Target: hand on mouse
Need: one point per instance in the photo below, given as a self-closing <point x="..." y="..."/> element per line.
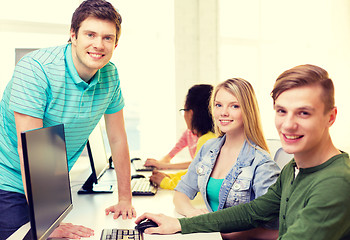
<point x="166" y="224"/>
<point x="157" y="177"/>
<point x="146" y="223"/>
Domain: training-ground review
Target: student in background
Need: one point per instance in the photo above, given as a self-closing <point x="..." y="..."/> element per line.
<point x="311" y="196"/>
<point x="234" y="168"/>
<point x="188" y="139"/>
<point x="199" y="121"/>
<point x="74" y="84"/>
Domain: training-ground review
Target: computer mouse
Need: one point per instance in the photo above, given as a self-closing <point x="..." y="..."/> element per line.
<point x="146" y="223"/>
<point x="133" y="159"/>
<point x="137" y="176"/>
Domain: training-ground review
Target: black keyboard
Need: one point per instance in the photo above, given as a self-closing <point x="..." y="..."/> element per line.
<point x="126" y="234"/>
<point x="138" y="164"/>
<point x="142" y="187"/>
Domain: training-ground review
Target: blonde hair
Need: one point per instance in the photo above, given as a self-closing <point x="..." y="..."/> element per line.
<point x="245" y="95"/>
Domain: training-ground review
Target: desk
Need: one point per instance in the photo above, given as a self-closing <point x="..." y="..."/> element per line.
<point x="89" y="210"/>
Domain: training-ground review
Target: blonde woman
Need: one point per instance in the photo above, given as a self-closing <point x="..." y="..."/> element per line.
<point x="234" y="168"/>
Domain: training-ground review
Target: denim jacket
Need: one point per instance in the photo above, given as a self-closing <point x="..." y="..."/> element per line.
<point x="249" y="178"/>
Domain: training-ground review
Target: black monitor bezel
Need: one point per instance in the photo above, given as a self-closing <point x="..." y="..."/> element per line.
<point x="29" y="191"/>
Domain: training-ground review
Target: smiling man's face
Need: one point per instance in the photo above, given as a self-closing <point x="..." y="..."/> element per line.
<point x="301" y="121"/>
<point x="93" y="46"/>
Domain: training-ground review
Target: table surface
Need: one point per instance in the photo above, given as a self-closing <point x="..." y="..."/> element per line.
<point x="89" y="209"/>
<point x="86" y="206"/>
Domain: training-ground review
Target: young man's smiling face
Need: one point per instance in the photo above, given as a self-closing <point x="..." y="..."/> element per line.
<point x="301" y="122"/>
<point x="93" y="46"/>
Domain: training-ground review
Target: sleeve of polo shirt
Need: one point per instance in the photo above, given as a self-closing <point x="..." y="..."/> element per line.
<point x="117" y="101"/>
<point x="29" y="92"/>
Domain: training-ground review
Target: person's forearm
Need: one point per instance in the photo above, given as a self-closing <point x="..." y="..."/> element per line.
<point x="182" y="203"/>
<point x="182" y="165"/>
<point x="120" y="152"/>
<point x="232" y="219"/>
<point x="24" y="123"/>
<point x="210" y="222"/>
<point x="166" y="159"/>
<point x="20" y="153"/>
<point x="122" y="169"/>
<point x="123" y="179"/>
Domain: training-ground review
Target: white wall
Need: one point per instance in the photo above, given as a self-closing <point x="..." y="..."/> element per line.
<point x="145" y="61"/>
<point x="144" y="57"/>
<point x="31" y="24"/>
<point x="196" y="48"/>
<point x="260" y="39"/>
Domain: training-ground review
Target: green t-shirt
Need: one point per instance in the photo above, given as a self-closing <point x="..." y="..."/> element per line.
<point x="313" y="205"/>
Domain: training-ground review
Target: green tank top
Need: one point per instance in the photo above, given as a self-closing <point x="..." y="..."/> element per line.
<point x="213" y="190"/>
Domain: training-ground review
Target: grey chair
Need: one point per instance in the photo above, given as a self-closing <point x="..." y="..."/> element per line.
<point x="274" y="144"/>
<point x="282" y="158"/>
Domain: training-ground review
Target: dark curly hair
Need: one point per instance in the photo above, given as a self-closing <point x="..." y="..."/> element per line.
<point x="197" y="99"/>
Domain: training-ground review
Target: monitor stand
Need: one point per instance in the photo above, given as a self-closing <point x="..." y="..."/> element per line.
<point x="90" y="188"/>
<point x="96" y="189"/>
<point x="110" y="162"/>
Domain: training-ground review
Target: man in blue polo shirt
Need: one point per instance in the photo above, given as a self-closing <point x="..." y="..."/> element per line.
<point x="74" y="84"/>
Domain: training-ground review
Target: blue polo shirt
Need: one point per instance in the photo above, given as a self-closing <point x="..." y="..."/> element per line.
<point x="46" y="85"/>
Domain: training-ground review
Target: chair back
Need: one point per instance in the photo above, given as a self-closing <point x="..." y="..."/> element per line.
<point x="282" y="158"/>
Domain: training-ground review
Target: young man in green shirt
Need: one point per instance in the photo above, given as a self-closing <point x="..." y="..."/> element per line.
<point x="311" y="196"/>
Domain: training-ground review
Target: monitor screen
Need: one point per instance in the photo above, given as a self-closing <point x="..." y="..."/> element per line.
<point x="46" y="178"/>
<point x="98" y="163"/>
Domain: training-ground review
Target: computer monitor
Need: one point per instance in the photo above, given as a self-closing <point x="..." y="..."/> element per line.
<point x="46" y="179"/>
<point x="98" y="163"/>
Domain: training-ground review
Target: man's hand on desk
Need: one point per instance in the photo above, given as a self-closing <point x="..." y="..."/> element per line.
<point x="68" y="230"/>
<point x="123" y="208"/>
<point x="166" y="224"/>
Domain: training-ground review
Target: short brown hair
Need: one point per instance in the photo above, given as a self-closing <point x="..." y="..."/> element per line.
<point x="305" y="75"/>
<point x="100" y="9"/>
